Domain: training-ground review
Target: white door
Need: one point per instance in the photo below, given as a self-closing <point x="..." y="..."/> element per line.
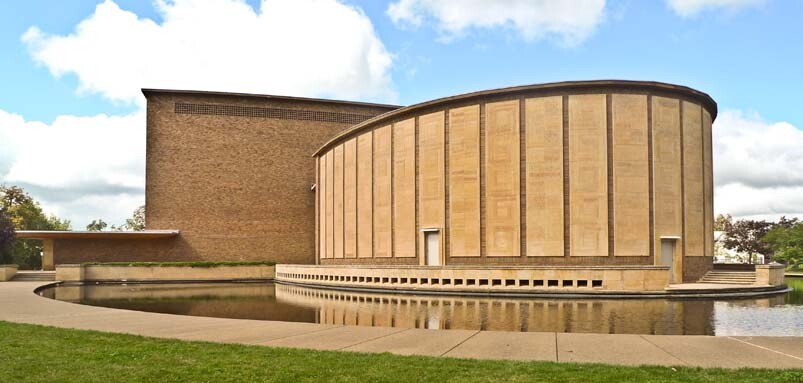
<point x="668" y="257"/>
<point x="433" y="247"/>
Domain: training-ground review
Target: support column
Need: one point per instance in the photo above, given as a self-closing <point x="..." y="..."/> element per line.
<point x="47" y="255"/>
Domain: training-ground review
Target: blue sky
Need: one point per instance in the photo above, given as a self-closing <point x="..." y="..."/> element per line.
<point x="745" y="53"/>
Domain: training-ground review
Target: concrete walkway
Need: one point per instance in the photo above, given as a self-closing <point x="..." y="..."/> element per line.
<point x="19" y="304"/>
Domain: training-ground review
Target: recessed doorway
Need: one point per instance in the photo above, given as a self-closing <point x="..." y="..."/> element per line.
<point x="432" y="247"/>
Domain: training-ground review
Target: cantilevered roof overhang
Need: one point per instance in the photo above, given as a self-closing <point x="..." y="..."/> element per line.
<point x="145" y="234"/>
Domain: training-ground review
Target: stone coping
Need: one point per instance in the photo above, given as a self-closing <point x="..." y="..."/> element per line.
<point x="478" y="267"/>
<point x="23" y="306"/>
<point x="770" y="266"/>
<point x="532" y="90"/>
<point x="675" y="292"/>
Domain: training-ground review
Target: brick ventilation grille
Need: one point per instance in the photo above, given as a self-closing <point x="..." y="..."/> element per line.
<point x="277" y="113"/>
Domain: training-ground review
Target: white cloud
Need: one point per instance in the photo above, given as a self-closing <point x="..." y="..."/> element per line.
<point x="83" y="168"/>
<point x="289" y="47"/>
<point x="570" y="22"/>
<point x="758" y="166"/>
<point x="80" y="168"/>
<point x="690" y="8"/>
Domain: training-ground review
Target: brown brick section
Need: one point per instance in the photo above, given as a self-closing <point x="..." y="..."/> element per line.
<point x="236" y="186"/>
<point x="695" y="267"/>
<point x="67" y="251"/>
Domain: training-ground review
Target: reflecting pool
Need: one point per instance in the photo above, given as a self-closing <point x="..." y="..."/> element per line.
<point x="776" y="315"/>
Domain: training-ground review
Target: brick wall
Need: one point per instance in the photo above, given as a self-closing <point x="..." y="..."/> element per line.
<point x="233" y="173"/>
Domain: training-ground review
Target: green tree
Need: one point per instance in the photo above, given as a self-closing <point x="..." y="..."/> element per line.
<point x="786" y="241"/>
<point x="96" y="225"/>
<point x="137" y="221"/>
<point x="722" y="221"/>
<point x="745" y="236"/>
<point x="25" y="213"/>
<point x="7" y="237"/>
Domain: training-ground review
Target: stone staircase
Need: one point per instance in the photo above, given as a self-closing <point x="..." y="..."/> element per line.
<point x="33" y="276"/>
<point x="729" y="277"/>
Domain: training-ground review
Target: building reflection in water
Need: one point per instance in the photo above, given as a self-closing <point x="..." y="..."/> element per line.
<point x="265" y="301"/>
<point x="642" y="316"/>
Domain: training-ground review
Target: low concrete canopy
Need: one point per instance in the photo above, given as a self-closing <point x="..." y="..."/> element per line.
<point x="47" y="234"/>
<point x="49" y="238"/>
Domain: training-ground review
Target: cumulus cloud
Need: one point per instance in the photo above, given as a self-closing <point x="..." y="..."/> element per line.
<point x="689" y="8"/>
<point x="758" y="166"/>
<point x="570" y="22"/>
<point x="80" y="168"/>
<point x="83" y="168"/>
<point x="291" y="47"/>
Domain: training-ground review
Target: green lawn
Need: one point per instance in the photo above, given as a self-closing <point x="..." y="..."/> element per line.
<point x="45" y="354"/>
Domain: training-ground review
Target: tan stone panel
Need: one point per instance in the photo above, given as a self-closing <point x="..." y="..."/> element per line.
<point x="464" y="181"/>
<point x="404" y="189"/>
<point x="431" y="183"/>
<point x="350" y="198"/>
<point x="321" y="192"/>
<point x="330" y="211"/>
<point x="666" y="170"/>
<point x="708" y="186"/>
<point x="693" y="188"/>
<point x="383" y="243"/>
<point x="544" y="143"/>
<point x="365" y="218"/>
<point x="588" y="172"/>
<point x="631" y="190"/>
<point x="502" y="191"/>
<point x="338" y="204"/>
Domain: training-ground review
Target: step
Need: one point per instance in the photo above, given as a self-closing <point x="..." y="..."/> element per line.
<point x="29" y="276"/>
<point x="729" y="277"/>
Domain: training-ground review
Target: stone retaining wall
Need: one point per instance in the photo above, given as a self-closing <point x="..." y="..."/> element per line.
<point x="771" y="274"/>
<point x="476" y="279"/>
<point x="7" y="272"/>
<point x="77" y="273"/>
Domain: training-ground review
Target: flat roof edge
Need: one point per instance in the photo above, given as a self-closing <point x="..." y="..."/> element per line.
<point x="48" y="234"/>
<point x="563" y="86"/>
<point x="148" y="91"/>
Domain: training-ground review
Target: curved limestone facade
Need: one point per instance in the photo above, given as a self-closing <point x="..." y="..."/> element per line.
<point x="576" y="175"/>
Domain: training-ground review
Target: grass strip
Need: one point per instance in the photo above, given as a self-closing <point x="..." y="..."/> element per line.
<point x="34" y="353"/>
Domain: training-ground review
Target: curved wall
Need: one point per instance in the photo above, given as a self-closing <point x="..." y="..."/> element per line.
<point x="581" y="173"/>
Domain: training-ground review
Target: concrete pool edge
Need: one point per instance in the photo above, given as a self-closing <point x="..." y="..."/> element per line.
<point x="628" y="349"/>
<point x="724" y="292"/>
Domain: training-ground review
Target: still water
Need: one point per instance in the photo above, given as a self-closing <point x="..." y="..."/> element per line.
<point x="776" y="315"/>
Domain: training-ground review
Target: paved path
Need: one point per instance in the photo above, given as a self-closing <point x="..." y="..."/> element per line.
<point x="18" y="303"/>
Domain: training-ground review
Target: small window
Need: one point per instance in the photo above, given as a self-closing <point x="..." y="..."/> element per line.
<point x="552" y="283"/>
<point x="596" y="283"/>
